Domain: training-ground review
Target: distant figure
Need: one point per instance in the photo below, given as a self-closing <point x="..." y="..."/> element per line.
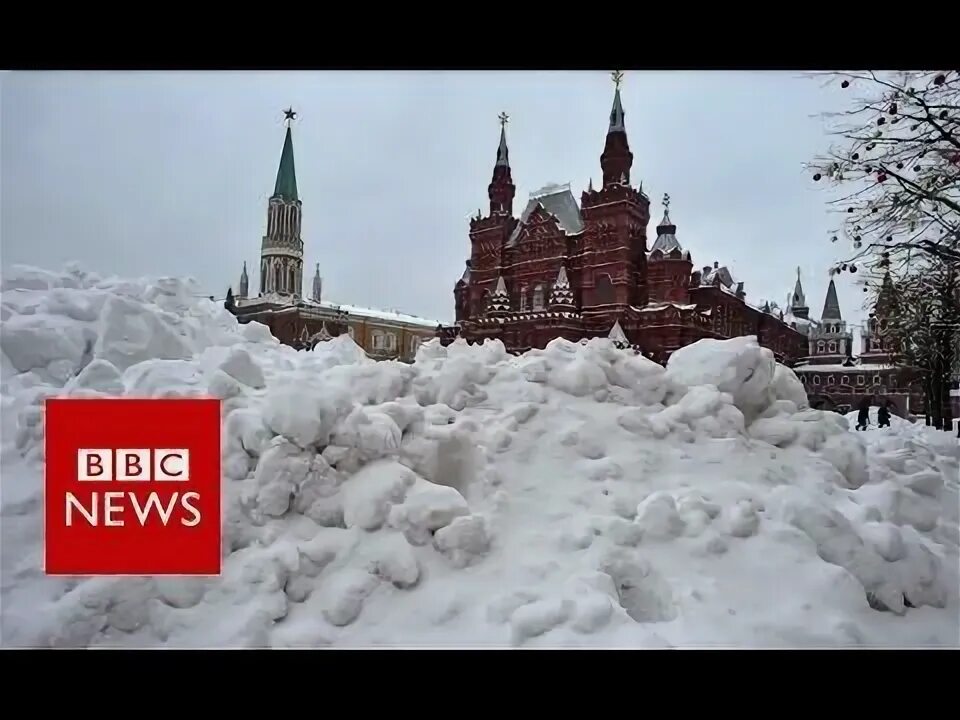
<point x="863" y="417"/>
<point x="883" y="416"/>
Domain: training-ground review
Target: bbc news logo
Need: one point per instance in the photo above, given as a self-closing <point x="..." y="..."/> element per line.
<point x="132" y="487"/>
<point x="142" y="465"/>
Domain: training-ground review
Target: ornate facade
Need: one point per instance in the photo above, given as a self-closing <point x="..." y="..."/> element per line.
<point x="579" y="270"/>
<point x="300" y="321"/>
<point x="837" y="379"/>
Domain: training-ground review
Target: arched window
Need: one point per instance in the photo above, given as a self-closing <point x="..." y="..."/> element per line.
<point x="831" y="380"/>
<point x="844" y="380"/>
<point x="292" y="286"/>
<point x="832" y="346"/>
<point x="523" y="297"/>
<point x="276" y="279"/>
<point x="538" y="293"/>
<point x="604" y="290"/>
<point x="263" y="277"/>
<point x="816" y="379"/>
<point x="821" y="346"/>
<point x="861" y="380"/>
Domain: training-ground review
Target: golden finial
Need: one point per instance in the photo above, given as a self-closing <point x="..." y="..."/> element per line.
<point x="666" y="201"/>
<point x="617" y="78"/>
<point x="504" y="119"/>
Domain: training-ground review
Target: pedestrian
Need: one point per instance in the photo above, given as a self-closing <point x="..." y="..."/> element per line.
<point x="863" y="417"/>
<point x="883" y="415"/>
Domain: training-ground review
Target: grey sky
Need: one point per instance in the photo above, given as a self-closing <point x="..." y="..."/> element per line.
<point x="168" y="173"/>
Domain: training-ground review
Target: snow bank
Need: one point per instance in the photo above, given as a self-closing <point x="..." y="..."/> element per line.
<point x="577" y="495"/>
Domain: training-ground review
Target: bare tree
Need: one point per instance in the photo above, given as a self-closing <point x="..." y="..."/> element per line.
<point x="896" y="166"/>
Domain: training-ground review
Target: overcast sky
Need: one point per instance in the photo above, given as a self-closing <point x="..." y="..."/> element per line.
<point x="135" y="173"/>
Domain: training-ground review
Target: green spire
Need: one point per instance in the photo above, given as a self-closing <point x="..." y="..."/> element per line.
<point x="286" y="187"/>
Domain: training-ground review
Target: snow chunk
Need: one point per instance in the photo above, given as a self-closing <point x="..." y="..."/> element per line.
<point x="305" y="413"/>
<point x="426" y="509"/>
<point x="368" y="495"/>
<point x="242" y="368"/>
<point x="464" y="541"/>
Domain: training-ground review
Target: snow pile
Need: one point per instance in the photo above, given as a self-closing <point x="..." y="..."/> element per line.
<point x="577" y="495"/>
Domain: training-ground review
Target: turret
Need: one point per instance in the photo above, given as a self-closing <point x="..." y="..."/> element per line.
<point x="561" y="297"/>
<point x="798" y="302"/>
<point x="244" y="286"/>
<point x="281" y="253"/>
<point x="501" y="189"/>
<point x="616" y="159"/>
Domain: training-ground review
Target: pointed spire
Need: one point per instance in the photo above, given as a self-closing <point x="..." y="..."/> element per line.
<point x="590" y="187"/>
<point x="666" y="241"/>
<point x="616" y="159"/>
<point x="562" y="295"/>
<point x="501" y="189"/>
<point x="886" y="298"/>
<point x="616" y="112"/>
<point x="317" y="284"/>
<point x="831" y="305"/>
<point x="797" y="300"/>
<point x="503" y="153"/>
<point x="244" y="282"/>
<point x="286" y="185"/>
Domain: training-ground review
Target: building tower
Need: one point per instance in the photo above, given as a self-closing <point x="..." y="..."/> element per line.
<point x="281" y="253"/>
<point x="317" y="285"/>
<point x="798" y="302"/>
<point x="244" y="282"/>
<point x="487" y="237"/>
<point x="615" y="218"/>
<point x="669" y="266"/>
<point x="875" y="346"/>
<point x="831" y="341"/>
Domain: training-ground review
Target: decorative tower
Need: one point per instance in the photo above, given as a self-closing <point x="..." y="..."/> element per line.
<point x="317" y="293"/>
<point x="500" y="300"/>
<point x="798" y="302"/>
<point x="488" y="236"/>
<point x="244" y="283"/>
<point x="831" y="342"/>
<point x="501" y="190"/>
<point x="281" y="254"/>
<point x="616" y="159"/>
<point x="615" y="218"/>
<point x="875" y="346"/>
<point x="669" y="266"/>
<point x="561" y="297"/>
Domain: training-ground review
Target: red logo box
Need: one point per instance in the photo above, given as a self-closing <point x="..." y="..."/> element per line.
<point x="132" y="487"/>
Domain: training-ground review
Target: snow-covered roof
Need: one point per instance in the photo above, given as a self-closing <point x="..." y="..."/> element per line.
<point x="559" y="202"/>
<point x="386" y="315"/>
<point x="726" y="279"/>
<point x="654" y="306"/>
<point x="862" y="368"/>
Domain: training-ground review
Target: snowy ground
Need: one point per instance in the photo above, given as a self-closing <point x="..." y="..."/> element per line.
<point x="576" y="496"/>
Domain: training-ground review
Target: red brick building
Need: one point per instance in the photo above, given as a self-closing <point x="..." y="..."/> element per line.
<point x="580" y="270"/>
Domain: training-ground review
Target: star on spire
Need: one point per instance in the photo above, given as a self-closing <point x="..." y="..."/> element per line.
<point x="504" y="119"/>
<point x="666" y="201"/>
<point x="617" y="78"/>
<point x="289" y="115"/>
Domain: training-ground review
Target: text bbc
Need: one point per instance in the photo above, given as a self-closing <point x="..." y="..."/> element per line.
<point x="114" y="508"/>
